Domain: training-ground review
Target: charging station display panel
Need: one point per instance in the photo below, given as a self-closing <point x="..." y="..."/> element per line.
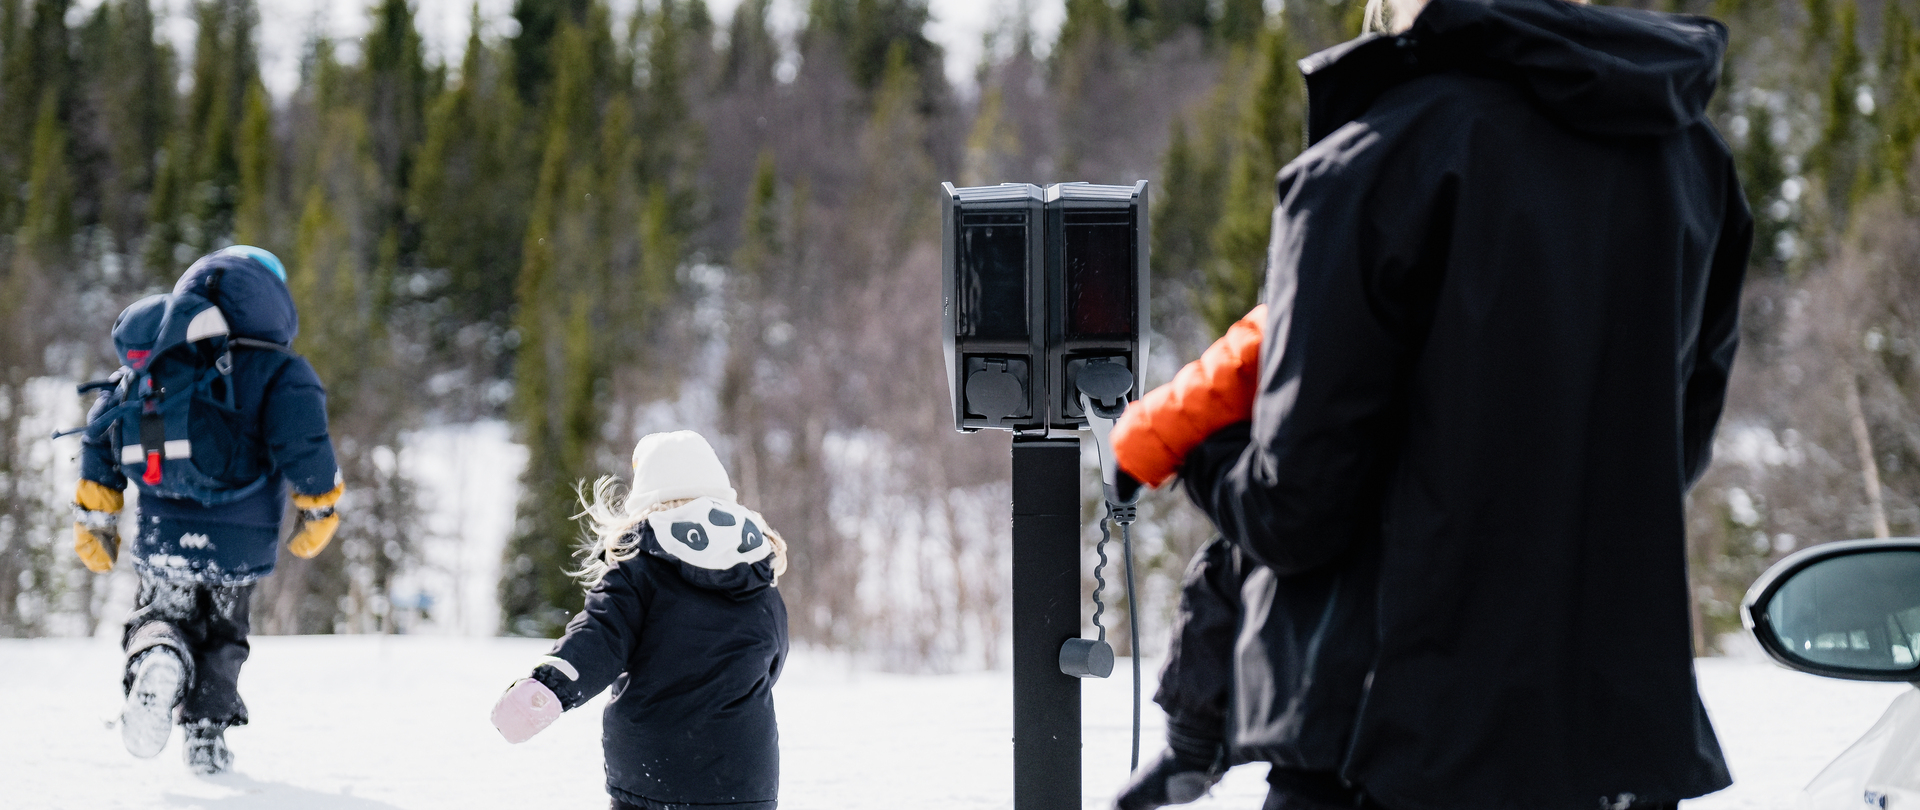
<point x="1102" y="275"/>
<point x="993" y="279"/>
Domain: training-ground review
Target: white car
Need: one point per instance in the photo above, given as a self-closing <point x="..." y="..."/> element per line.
<point x="1852" y="610"/>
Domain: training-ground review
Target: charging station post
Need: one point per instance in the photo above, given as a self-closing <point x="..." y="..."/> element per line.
<point x="1044" y="322"/>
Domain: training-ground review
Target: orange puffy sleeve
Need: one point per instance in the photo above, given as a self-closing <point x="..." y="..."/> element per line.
<point x="1153" y="437"/>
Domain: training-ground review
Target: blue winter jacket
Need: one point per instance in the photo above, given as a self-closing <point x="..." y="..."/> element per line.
<point x="691" y="635"/>
<point x="284" y="408"/>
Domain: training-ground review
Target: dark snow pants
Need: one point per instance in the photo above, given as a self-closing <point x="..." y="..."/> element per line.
<point x="206" y="626"/>
<point x="1196" y="683"/>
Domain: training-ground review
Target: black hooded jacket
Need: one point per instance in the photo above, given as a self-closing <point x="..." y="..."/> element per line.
<point x="1503" y="290"/>
<point x="692" y="639"/>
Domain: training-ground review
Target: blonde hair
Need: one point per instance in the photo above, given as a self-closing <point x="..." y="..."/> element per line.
<point x="1390" y="16"/>
<point x="610" y="537"/>
<point x="1394" y="16"/>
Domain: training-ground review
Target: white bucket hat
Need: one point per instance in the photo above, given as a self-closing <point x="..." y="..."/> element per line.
<point x="680" y="464"/>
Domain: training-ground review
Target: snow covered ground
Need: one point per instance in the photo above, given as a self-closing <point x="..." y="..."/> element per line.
<point x="382" y="722"/>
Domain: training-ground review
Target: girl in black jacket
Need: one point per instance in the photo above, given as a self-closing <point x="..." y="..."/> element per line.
<point x="684" y="622"/>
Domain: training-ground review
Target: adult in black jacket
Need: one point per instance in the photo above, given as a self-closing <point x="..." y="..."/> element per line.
<point x="1502" y="299"/>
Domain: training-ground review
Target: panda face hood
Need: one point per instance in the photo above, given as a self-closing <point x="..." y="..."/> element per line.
<point x="714" y="544"/>
<point x="256" y="303"/>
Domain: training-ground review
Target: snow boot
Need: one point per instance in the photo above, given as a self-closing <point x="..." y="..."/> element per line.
<point x="1168" y="779"/>
<point x="146" y="721"/>
<point x="207" y="751"/>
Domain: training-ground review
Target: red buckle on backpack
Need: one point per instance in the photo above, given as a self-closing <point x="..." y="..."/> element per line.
<point x="152" y="475"/>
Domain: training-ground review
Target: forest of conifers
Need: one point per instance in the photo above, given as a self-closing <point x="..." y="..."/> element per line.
<point x="594" y="224"/>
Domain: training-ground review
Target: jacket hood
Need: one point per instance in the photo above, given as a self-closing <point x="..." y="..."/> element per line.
<point x="1601" y="70"/>
<point x="256" y="303"/>
<point x="717" y="545"/>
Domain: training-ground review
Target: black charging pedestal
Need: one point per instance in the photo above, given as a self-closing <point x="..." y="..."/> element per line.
<point x="1046" y="612"/>
<point x="1044" y="304"/>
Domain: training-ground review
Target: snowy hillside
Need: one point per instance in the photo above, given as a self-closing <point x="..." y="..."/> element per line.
<point x="383" y="722"/>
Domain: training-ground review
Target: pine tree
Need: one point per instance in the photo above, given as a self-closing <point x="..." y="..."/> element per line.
<point x="1838" y="156"/>
<point x="1186" y="209"/>
<point x="1760" y="178"/>
<point x="531" y="49"/>
<point x="1900" y="69"/>
<point x="563" y="296"/>
<point x="751" y="49"/>
<point x="48" y="224"/>
<point x="1241" y="21"/>
<point x="36" y="65"/>
<point x="866" y="32"/>
<point x="127" y="99"/>
<point x="397" y="89"/>
<point x="1270" y="136"/>
<point x="193" y="209"/>
<point x="253" y="217"/>
<point x="15" y="92"/>
<point x="473" y="173"/>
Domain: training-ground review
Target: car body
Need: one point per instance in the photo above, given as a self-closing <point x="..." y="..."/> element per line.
<point x="1852" y="610"/>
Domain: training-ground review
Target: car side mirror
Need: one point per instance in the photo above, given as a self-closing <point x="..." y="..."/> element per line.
<point x="1842" y="610"/>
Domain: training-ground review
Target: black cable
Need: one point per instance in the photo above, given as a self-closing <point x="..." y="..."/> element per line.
<point x="1124" y="516"/>
<point x="1100" y="582"/>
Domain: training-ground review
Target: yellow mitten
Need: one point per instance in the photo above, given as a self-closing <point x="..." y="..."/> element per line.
<point x="315" y="522"/>
<point x="96" y="525"/>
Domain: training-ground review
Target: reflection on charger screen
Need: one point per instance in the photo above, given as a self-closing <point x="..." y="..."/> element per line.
<point x="1100" y="275"/>
<point x="993" y="295"/>
<point x="1860" y="611"/>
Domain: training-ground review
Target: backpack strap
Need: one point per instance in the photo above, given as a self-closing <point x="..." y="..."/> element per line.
<point x="263" y="345"/>
<point x="225" y="364"/>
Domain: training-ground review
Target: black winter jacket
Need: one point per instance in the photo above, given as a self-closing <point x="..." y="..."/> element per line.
<point x="691" y="635"/>
<point x="1503" y="292"/>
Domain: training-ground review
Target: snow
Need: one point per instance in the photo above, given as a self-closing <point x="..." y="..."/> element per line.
<point x="383" y="722"/>
<point x="468" y="478"/>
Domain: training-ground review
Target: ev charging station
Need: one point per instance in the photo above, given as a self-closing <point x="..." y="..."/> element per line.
<point x="1044" y="322"/>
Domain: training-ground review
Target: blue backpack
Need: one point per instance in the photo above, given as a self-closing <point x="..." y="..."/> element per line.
<point x="168" y="413"/>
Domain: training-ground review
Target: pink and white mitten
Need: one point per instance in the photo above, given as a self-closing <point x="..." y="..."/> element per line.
<point x="526" y="708"/>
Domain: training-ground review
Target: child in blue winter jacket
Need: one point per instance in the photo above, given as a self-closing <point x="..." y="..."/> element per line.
<point x="683" y="620"/>
<point x="215" y="418"/>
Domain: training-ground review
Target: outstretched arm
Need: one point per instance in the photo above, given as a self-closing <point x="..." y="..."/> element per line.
<point x="585" y="660"/>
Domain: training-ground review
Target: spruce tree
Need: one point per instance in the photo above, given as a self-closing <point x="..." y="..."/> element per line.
<point x="128" y="98"/>
<point x="466" y="196"/>
<point x="1270" y="135"/>
<point x="397" y="89"/>
<point x="1761" y="174"/>
<point x="751" y="49"/>
<point x="253" y="217"/>
<point x="565" y="337"/>
<point x="1241" y="21"/>
<point x="865" y="32"/>
<point x="531" y="48"/>
<point x="193" y="209"/>
<point x="36" y="69"/>
<point x="1186" y="209"/>
<point x="1900" y="71"/>
<point x="1838" y="156"/>
<point x="48" y="224"/>
<point x="15" y="93"/>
